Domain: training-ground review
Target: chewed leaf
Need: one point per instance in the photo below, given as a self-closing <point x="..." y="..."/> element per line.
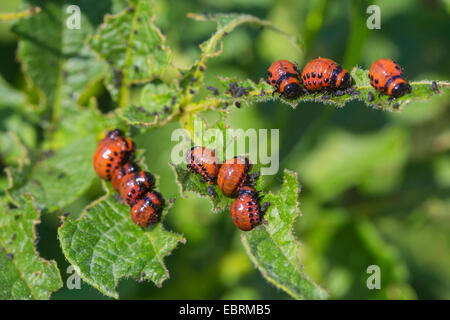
<point x="189" y="181"/>
<point x="133" y="47"/>
<point x="273" y="247"/>
<point x="251" y="93"/>
<point x="104" y="245"/>
<point x="193" y="78"/>
<point x="57" y="180"/>
<point x="159" y="104"/>
<point x="24" y="274"/>
<point x="55" y="58"/>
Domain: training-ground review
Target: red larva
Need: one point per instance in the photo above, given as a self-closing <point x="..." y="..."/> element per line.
<point x="148" y="209"/>
<point x="322" y="73"/>
<point x="284" y="76"/>
<point x="387" y="77"/>
<point x="118" y="174"/>
<point x="134" y="185"/>
<point x="111" y="152"/>
<point x="203" y="161"/>
<point x="245" y="210"/>
<point x="233" y="174"/>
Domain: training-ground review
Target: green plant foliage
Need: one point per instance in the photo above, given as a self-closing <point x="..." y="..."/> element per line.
<point x="105" y="245"/>
<point x="133" y="47"/>
<point x="273" y="247"/>
<point x="193" y="183"/>
<point x="52" y="120"/>
<point x="57" y="180"/>
<point x="24" y="275"/>
<point x="159" y="104"/>
<point x="193" y="78"/>
<point x="262" y="92"/>
<point x="54" y="57"/>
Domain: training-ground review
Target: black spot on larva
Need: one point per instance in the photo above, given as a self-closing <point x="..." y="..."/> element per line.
<point x="325" y="80"/>
<point x="313" y="74"/>
<point x="308" y="75"/>
<point x="273" y="81"/>
<point x="314" y="82"/>
<point x="376" y="81"/>
<point x="319" y="75"/>
<point x="320" y="82"/>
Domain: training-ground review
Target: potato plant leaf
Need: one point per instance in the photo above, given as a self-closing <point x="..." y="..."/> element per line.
<point x="273" y="247"/>
<point x="133" y="47"/>
<point x="104" y="245"/>
<point x="24" y="274"/>
<point x="256" y="92"/>
<point x="159" y="104"/>
<point x="58" y="179"/>
<point x="54" y="57"/>
<point x="193" y="78"/>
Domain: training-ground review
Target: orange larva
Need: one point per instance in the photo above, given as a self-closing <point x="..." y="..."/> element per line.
<point x="111" y="152"/>
<point x="233" y="174"/>
<point x="387" y="77"/>
<point x="203" y="161"/>
<point x="322" y="73"/>
<point x="134" y="185"/>
<point x="147" y="210"/>
<point x="245" y="210"/>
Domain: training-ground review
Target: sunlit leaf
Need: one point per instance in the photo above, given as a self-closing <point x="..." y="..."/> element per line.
<point x="273" y="247"/>
<point x="133" y="47"/>
<point x="57" y="180"/>
<point x="24" y="274"/>
<point x="54" y="57"/>
<point x="262" y="92"/>
<point x="104" y="245"/>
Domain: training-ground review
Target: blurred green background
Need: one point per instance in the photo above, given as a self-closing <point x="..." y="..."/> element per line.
<point x="375" y="185"/>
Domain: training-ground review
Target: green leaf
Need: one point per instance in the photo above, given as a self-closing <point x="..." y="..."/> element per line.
<point x="55" y="58"/>
<point x="24" y="274"/>
<point x="57" y="180"/>
<point x="262" y="92"/>
<point x="273" y="247"/>
<point x="19" y="15"/>
<point x="193" y="78"/>
<point x="9" y="96"/>
<point x="192" y="183"/>
<point x="133" y="47"/>
<point x="159" y="104"/>
<point x="104" y="245"/>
